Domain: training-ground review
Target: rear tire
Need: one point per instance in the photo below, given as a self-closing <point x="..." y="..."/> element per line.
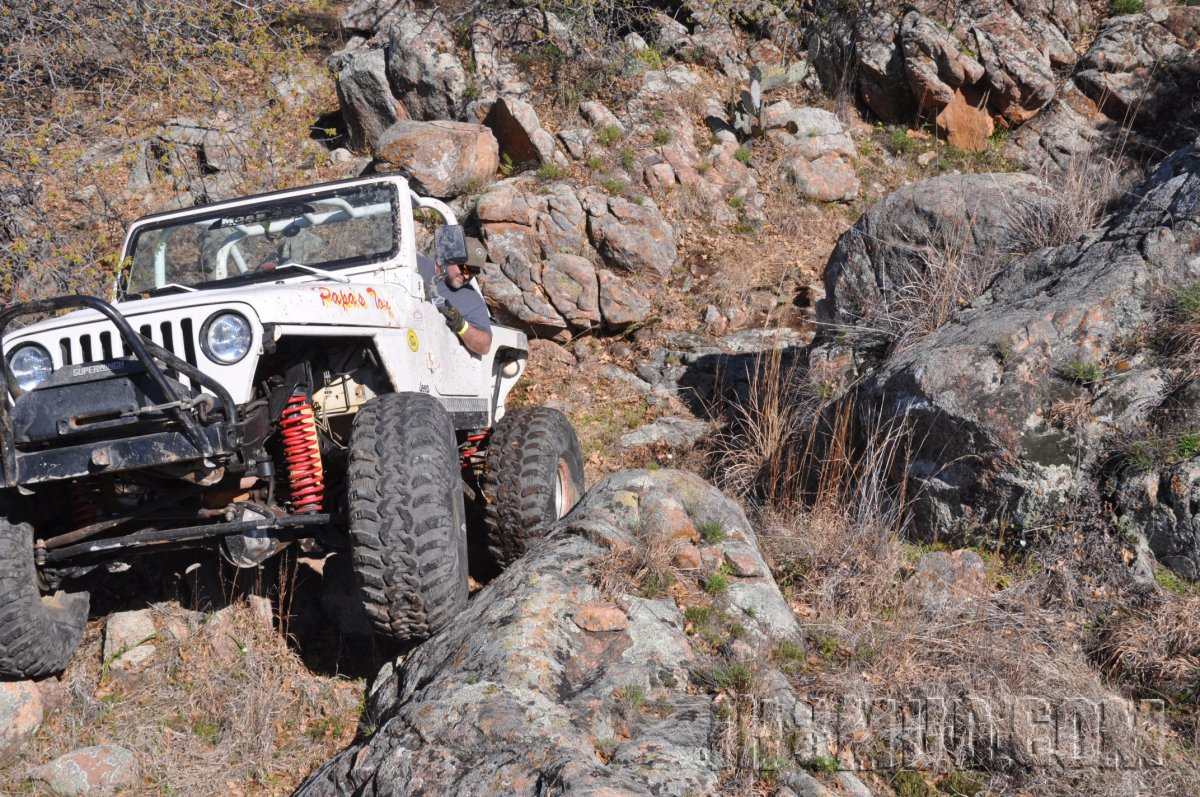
<point x="408" y="536"/>
<point x="38" y="634"/>
<point x="532" y="477"/>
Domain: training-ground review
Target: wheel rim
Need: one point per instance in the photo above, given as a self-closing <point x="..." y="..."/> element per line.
<point x="564" y="489"/>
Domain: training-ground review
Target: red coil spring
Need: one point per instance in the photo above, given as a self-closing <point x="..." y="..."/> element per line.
<point x="303" y="454"/>
<point x="83" y="502"/>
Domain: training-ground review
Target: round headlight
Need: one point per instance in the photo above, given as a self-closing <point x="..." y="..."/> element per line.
<point x="226" y="338"/>
<point x="30" y="366"/>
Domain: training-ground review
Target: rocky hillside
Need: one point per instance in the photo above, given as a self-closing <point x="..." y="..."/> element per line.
<point x="917" y="285"/>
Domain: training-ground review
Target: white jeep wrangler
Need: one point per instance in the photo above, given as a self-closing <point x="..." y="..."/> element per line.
<point x="269" y="372"/>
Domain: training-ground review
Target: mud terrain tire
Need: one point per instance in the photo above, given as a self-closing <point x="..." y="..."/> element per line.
<point x="532" y="477"/>
<point x="408" y="537"/>
<point x="38" y="634"/>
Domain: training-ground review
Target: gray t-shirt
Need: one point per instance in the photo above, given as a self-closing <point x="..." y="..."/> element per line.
<point x="466" y="299"/>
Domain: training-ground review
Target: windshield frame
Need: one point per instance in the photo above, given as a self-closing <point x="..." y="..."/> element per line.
<point x="261" y="205"/>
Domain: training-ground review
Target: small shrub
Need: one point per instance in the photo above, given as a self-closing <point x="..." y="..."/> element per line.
<point x="1120" y="8"/>
<point x="743" y="155"/>
<point x="633" y="696"/>
<point x="822" y="764"/>
<point x="656" y="584"/>
<point x="1187" y="446"/>
<point x="1187" y="301"/>
<point x="744" y="227"/>
<point x="717" y="583"/>
<point x="507" y="167"/>
<point x="711" y="531"/>
<point x="1173" y="583"/>
<point x="736" y="202"/>
<point x="738" y="676"/>
<point x="594" y="163"/>
<point x="1081" y="372"/>
<point x="651" y="57"/>
<point x="613" y="186"/>
<point x="549" y="171"/>
<point x="628" y="159"/>
<point x="608" y="135"/>
<point x="1140" y="456"/>
<point x="699" y="615"/>
<point x="901" y="141"/>
<point x="789" y="657"/>
<point x="662" y="136"/>
<point x="962" y="782"/>
<point x="910" y="783"/>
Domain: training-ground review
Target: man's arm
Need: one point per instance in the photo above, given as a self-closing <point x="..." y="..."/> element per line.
<point x="478" y="341"/>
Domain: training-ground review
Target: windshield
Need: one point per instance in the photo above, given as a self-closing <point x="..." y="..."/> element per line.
<point x="331" y="229"/>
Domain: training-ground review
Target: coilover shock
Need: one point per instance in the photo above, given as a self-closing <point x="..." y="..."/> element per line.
<point x="83" y="502"/>
<point x="302" y="453"/>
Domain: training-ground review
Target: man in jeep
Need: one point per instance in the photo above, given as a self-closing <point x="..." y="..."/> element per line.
<point x="463" y="308"/>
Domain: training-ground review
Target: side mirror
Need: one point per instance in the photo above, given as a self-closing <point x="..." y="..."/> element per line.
<point x="450" y="245"/>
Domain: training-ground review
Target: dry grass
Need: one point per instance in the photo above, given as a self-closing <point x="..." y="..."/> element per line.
<point x="832" y="524"/>
<point x="1086" y="189"/>
<point x="942" y="276"/>
<point x="229" y="709"/>
<point x="1155" y="649"/>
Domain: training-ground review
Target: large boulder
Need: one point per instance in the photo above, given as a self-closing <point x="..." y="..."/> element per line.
<point x="630" y="236"/>
<point x="1052" y="384"/>
<point x="441" y="159"/>
<point x="522" y="139"/>
<point x="561" y="296"/>
<point x="534" y="219"/>
<point x="422" y="66"/>
<point x="1134" y="96"/>
<point x="366" y="100"/>
<point x="918" y="56"/>
<point x="1121" y="70"/>
<point x="575" y="667"/>
<point x="938" y="230"/>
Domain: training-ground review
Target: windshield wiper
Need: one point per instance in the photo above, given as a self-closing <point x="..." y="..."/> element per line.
<point x="320" y="272"/>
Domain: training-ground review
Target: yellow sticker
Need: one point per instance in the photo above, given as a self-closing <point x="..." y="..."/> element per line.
<point x="413" y="343"/>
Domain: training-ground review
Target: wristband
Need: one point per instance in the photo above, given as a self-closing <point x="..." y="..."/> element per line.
<point x="464" y="328"/>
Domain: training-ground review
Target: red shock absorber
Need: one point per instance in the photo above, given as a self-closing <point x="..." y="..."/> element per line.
<point x="303" y="454"/>
<point x="83" y="502"/>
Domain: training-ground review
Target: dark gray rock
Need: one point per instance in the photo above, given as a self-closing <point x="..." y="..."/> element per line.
<point x="674" y="432"/>
<point x="424" y="71"/>
<point x="898" y="59"/>
<point x="365" y="97"/>
<point x="561" y="671"/>
<point x="368" y="17"/>
<point x="880" y="273"/>
<point x="1134" y="96"/>
<point x="520" y="134"/>
<point x="1006" y="430"/>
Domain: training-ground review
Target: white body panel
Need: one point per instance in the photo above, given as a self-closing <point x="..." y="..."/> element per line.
<point x="382" y="302"/>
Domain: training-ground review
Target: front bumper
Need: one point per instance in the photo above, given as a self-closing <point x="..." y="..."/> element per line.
<point x="182" y="435"/>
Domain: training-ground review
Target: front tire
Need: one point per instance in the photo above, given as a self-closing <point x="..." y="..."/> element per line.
<point x="532" y="477"/>
<point x="407" y="531"/>
<point x="38" y="634"/>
